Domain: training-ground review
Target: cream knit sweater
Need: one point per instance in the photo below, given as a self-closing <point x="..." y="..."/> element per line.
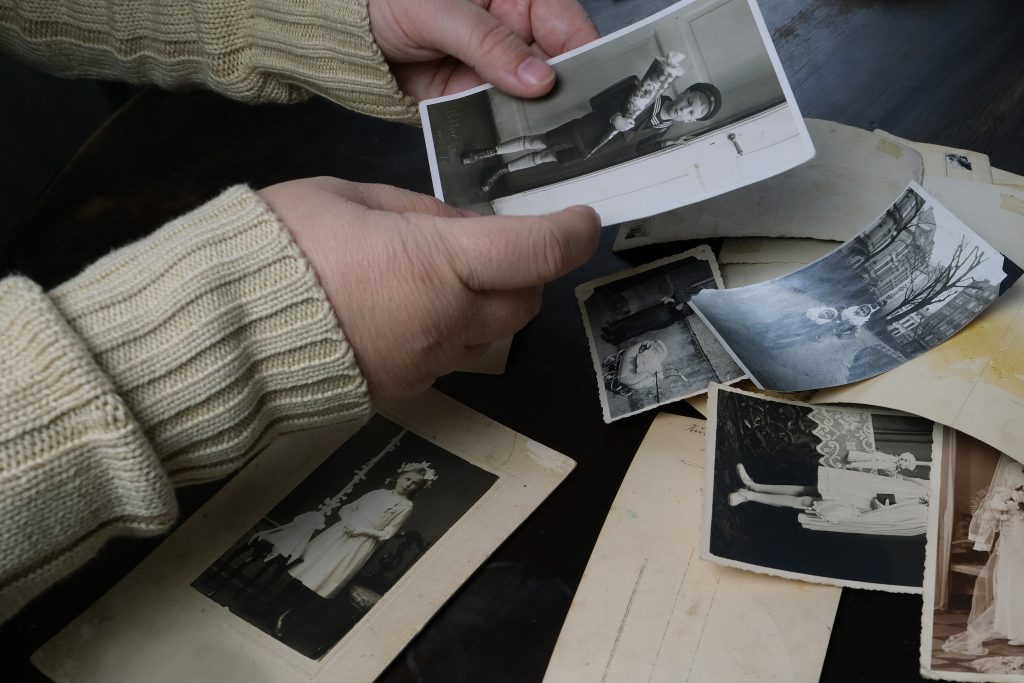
<point x="175" y="359"/>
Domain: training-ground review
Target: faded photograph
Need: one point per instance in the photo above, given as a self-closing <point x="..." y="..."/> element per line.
<point x="323" y="557"/>
<point x="902" y="286"/>
<point x="647" y="347"/>
<point x="694" y="86"/>
<point x="828" y="494"/>
<point x="977" y="599"/>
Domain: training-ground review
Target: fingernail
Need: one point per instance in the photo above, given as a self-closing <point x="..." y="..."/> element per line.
<point x="533" y="71"/>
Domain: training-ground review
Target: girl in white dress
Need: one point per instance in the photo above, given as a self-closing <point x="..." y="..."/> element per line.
<point x="997" y="609"/>
<point x="846" y="501"/>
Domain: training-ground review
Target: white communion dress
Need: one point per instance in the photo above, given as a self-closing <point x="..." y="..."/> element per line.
<point x="335" y="556"/>
<point x="997" y="609"/>
<point x="846" y="504"/>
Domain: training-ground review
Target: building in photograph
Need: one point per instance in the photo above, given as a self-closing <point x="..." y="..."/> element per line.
<point x="929" y="328"/>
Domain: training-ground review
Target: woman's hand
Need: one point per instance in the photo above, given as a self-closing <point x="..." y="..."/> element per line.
<point x="418" y="287"/>
<point x="621" y="123"/>
<point x="440" y="47"/>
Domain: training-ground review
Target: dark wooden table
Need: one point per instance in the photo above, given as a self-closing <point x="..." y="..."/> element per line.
<point x="940" y="71"/>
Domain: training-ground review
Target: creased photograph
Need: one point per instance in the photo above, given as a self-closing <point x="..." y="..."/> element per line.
<point x="646" y="345"/>
<point x="823" y="494"/>
<point x="905" y="284"/>
<point x="973" y="622"/>
<point x="682" y="106"/>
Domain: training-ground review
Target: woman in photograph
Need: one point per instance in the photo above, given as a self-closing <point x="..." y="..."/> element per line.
<point x="669" y="310"/>
<point x="846" y="501"/>
<point x="631" y="106"/>
<point x="997" y="526"/>
<point x="336" y="555"/>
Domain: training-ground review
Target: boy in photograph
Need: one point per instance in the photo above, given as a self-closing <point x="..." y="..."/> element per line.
<point x="631" y="107"/>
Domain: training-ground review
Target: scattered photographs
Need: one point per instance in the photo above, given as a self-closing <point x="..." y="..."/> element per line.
<point x="647" y="346"/>
<point x="902" y="286"/>
<point x="824" y="494"/>
<point x="321" y="559"/>
<point x="682" y="106"/>
<point x="973" y="622"/>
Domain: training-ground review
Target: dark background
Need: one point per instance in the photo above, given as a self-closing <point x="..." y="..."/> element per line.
<point x="939" y="71"/>
<point x="775" y="444"/>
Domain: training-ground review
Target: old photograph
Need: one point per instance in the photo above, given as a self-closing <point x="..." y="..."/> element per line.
<point x="322" y="558"/>
<point x="685" y="105"/>
<point x="826" y="494"/>
<point x="647" y="347"/>
<point x="974" y="595"/>
<point x="903" y="285"/>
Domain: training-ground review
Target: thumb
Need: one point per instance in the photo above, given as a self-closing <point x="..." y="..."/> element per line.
<point x="489" y="46"/>
<point x="514" y="252"/>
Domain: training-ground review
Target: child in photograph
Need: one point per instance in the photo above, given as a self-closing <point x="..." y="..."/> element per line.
<point x="886" y="464"/>
<point x="997" y="526"/>
<point x="846" y="501"/>
<point x="811" y="326"/>
<point x="633" y="105"/>
<point x="331" y="559"/>
<point x="853" y="318"/>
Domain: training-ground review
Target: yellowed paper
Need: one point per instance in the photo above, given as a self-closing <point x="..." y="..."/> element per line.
<point x="154" y="627"/>
<point x="973" y="382"/>
<point x="648" y="609"/>
<point x="830" y="197"/>
<point x="752" y="250"/>
<point x="947" y="162"/>
<point x="1012" y="180"/>
<point x="995" y="212"/>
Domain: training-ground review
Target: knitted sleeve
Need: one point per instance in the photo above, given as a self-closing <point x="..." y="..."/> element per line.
<point x="250" y="50"/>
<point x="169" y="361"/>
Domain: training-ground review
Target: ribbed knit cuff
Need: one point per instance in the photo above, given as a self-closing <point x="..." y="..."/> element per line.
<point x="75" y="467"/>
<point x="217" y="335"/>
<point x="306" y="41"/>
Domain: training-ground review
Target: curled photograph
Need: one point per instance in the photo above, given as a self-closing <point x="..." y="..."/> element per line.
<point x="974" y="602"/>
<point x="903" y="285"/>
<point x="827" y="494"/>
<point x="687" y="104"/>
<point x="322" y="558"/>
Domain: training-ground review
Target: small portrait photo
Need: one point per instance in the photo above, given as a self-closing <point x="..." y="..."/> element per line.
<point x="322" y="558"/>
<point x="827" y="494"/>
<point x="687" y="104"/>
<point x="903" y="285"/>
<point x="974" y="595"/>
<point x="647" y="346"/>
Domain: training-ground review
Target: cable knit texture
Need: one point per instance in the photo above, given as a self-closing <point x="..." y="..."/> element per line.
<point x="250" y="50"/>
<point x="169" y="361"/>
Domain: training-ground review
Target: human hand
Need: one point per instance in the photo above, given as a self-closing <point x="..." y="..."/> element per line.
<point x="418" y="287"/>
<point x="440" y="47"/>
<point x="622" y="123"/>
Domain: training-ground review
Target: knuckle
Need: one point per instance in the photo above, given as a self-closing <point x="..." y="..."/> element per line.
<point x="497" y="42"/>
<point x="552" y="250"/>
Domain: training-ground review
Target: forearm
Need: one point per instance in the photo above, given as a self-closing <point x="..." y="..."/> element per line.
<point x="250" y="50"/>
<point x="170" y="361"/>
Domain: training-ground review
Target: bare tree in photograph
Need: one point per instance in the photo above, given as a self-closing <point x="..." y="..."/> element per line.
<point x="902" y="217"/>
<point x="936" y="284"/>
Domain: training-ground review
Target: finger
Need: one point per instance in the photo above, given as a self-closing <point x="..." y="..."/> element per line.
<point x="513" y="252"/>
<point x="501" y="314"/>
<point x="389" y="198"/>
<point x="481" y="40"/>
<point x="561" y="25"/>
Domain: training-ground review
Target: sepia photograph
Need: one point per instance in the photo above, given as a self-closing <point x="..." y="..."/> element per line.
<point x="322" y="558"/>
<point x="905" y="284"/>
<point x="647" y="346"/>
<point x="827" y="494"/>
<point x="685" y="105"/>
<point x="974" y="593"/>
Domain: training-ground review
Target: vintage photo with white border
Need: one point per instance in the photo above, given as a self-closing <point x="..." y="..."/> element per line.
<point x="684" y="105"/>
<point x="825" y="494"/>
<point x="903" y="285"/>
<point x="647" y="347"/>
<point x="226" y="598"/>
<point x="973" y="619"/>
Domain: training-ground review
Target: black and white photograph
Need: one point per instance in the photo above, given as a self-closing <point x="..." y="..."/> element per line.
<point x="903" y="285"/>
<point x="647" y="346"/>
<point x="322" y="558"/>
<point x="973" y="626"/>
<point x="827" y="494"/>
<point x="687" y="104"/>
